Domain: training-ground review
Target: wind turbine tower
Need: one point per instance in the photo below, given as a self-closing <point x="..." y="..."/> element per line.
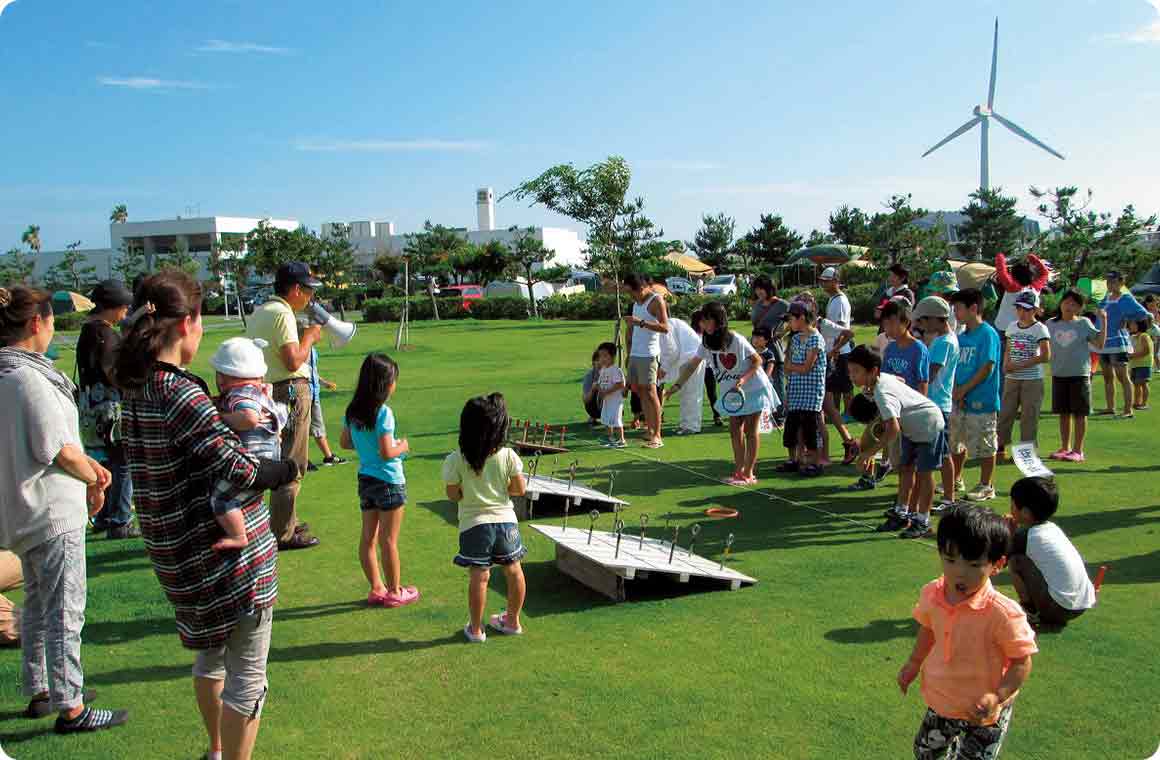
<point x="983" y="116"/>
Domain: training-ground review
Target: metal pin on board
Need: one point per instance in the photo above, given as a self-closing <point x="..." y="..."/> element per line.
<point x="695" y="530"/>
<point x="611" y="479"/>
<point x="728" y="546"/>
<point x="643" y="527"/>
<point x="619" y="526"/>
<point x="593" y="516"/>
<point x="673" y="545"/>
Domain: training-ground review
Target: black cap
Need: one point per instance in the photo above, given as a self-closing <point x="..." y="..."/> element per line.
<point x="1113" y="275"/>
<point x="296" y="273"/>
<point x="109" y="294"/>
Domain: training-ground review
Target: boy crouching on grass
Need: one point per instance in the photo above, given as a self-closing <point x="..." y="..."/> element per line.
<point x="974" y="645"/>
<point x="1046" y="569"/>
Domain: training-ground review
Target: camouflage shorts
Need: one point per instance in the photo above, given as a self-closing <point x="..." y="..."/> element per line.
<point x="942" y="738"/>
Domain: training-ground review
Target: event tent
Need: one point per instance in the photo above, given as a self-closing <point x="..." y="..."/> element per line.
<point x="690" y="264"/>
<point x="828" y="254"/>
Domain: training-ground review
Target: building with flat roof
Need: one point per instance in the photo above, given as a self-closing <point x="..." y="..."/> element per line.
<point x="373" y="239"/>
<point x="198" y="235"/>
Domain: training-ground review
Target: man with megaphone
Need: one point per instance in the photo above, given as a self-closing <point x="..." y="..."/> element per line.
<point x="287" y="352"/>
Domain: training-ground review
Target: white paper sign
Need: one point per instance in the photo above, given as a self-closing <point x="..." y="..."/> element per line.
<point x="1028" y="461"/>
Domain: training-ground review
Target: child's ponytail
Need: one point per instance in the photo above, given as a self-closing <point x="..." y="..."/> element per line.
<point x="161" y="303"/>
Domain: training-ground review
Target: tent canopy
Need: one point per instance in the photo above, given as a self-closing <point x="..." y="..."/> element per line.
<point x="831" y="253"/>
<point x="691" y="264"/>
<point x="66" y="302"/>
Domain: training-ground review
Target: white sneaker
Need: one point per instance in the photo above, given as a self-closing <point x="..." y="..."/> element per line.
<point x="982" y="492"/>
<point x="471" y="637"/>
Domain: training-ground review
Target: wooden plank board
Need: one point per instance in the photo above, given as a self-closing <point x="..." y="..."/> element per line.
<point x="634" y="557"/>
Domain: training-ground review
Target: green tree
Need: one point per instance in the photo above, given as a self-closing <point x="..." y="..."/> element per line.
<point x="334" y="264"/>
<point x="851" y="226"/>
<point x="229" y="263"/>
<point x="386" y="268"/>
<point x="130" y="262"/>
<point x="634" y="237"/>
<point x="465" y="262"/>
<point x="771" y="242"/>
<point x="72" y="272"/>
<point x="119" y="214"/>
<point x="15" y="267"/>
<point x="271" y="247"/>
<point x="430" y="253"/>
<point x="713" y="241"/>
<point x="527" y="256"/>
<point x="179" y="257"/>
<point x="595" y="197"/>
<point x="817" y="237"/>
<point x="1086" y="243"/>
<point x="895" y="239"/>
<point x="31" y="238"/>
<point x="992" y="225"/>
<point x="491" y="261"/>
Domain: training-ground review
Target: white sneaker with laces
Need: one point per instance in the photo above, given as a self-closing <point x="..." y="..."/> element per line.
<point x="982" y="492"/>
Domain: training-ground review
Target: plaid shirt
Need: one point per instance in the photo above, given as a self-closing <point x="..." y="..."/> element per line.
<point x="179" y="450"/>
<point x="804" y="393"/>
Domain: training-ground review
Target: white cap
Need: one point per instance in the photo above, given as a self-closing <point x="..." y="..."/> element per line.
<point x="829" y="273"/>
<point x="240" y="357"/>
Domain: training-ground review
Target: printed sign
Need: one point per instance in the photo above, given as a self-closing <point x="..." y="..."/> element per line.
<point x="1028" y="461"/>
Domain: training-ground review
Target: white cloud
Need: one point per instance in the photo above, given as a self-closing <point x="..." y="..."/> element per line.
<point x="1148" y="33"/>
<point x="150" y="83"/>
<point x="388" y="146"/>
<point x="224" y="46"/>
<point x="679" y="165"/>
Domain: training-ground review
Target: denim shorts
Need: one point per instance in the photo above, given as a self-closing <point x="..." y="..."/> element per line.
<point x="490" y="544"/>
<point x="925" y="457"/>
<point x="1114" y="360"/>
<point x="379" y="494"/>
<point x="1141" y="374"/>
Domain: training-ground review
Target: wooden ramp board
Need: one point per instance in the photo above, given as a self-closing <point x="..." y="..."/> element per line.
<point x="526" y="448"/>
<point x="582" y="497"/>
<point x="598" y="566"/>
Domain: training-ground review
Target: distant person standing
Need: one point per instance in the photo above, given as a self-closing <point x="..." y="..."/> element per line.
<point x="1121" y="308"/>
<point x="287" y="356"/>
<point x="899" y="280"/>
<point x="770" y="312"/>
<point x="99" y="404"/>
<point x="648" y="321"/>
<point x="317" y="420"/>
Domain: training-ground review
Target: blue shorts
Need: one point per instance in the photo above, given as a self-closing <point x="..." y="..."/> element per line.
<point x="925" y="457"/>
<point x="379" y="494"/>
<point x="1141" y="374"/>
<point x="490" y="544"/>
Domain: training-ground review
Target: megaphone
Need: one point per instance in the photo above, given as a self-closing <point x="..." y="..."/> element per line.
<point x="340" y="332"/>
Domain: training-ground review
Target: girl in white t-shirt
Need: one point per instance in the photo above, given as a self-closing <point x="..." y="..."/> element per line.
<point x="744" y="390"/>
<point x="610" y="386"/>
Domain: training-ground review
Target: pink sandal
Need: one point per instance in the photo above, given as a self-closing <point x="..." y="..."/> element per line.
<point x="406" y="595"/>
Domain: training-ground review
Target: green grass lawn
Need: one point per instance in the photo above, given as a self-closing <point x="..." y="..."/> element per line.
<point x="802" y="665"/>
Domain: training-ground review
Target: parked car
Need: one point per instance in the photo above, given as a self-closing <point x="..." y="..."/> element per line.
<point x="680" y="286"/>
<point x="465" y="293"/>
<point x="722" y="285"/>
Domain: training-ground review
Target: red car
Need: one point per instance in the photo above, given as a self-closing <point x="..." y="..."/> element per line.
<point x="465" y="293"/>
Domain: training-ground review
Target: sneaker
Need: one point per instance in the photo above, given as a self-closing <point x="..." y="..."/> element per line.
<point x="618" y="444"/>
<point x="473" y="638"/>
<point x="682" y="431"/>
<point x="982" y="492"/>
<point x="128" y="530"/>
<point x="917" y="529"/>
<point x="884" y="469"/>
<point x="91" y="719"/>
<point x="717" y="420"/>
<point x="332" y="460"/>
<point x="896" y="509"/>
<point x="1074" y="456"/>
<point x="311" y="467"/>
<point x="41" y="707"/>
<point x="894" y="523"/>
<point x="942" y="507"/>
<point x="498" y="623"/>
<point x="864" y="483"/>
<point x="852" y="450"/>
<point x="812" y="471"/>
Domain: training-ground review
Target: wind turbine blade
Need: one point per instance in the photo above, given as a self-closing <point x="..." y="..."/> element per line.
<point x="1026" y="135"/>
<point x="994" y="67"/>
<point x="953" y="135"/>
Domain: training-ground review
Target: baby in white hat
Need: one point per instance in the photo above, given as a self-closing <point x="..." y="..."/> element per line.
<point x="248" y="408"/>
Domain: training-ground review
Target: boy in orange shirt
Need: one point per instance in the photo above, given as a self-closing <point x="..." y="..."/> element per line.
<point x="974" y="645"/>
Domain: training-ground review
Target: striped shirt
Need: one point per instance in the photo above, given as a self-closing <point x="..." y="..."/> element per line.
<point x="179" y="450"/>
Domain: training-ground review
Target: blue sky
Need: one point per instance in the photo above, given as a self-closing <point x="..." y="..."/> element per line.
<point x="398" y="111"/>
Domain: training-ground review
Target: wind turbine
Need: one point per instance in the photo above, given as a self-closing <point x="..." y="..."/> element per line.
<point x="983" y="116"/>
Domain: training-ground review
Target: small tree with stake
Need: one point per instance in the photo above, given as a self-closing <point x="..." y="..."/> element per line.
<point x="528" y="253"/>
<point x="71" y="272"/>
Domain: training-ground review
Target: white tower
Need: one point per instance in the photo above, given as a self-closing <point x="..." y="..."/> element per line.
<point x="485" y="208"/>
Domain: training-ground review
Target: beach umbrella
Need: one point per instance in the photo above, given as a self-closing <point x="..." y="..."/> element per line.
<point x="66" y="302"/>
<point x="828" y="254"/>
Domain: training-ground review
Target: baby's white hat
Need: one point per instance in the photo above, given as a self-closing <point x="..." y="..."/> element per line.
<point x="240" y="357"/>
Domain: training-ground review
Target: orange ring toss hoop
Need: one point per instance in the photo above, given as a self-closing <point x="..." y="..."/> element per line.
<point x="722" y="512"/>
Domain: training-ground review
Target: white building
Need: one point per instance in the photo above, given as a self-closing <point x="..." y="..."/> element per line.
<point x="198" y="235"/>
<point x="372" y="239"/>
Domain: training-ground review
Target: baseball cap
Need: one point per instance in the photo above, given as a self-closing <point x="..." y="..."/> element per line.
<point x="110" y="294"/>
<point x="1028" y="299"/>
<point x="829" y="273"/>
<point x="296" y="273"/>
<point x="932" y="306"/>
<point x="1113" y="274"/>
